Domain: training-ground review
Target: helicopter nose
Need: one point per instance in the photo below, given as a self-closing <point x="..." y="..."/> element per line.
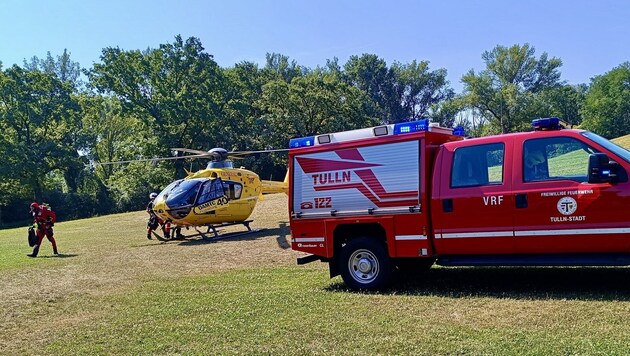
<point x="160" y="208"/>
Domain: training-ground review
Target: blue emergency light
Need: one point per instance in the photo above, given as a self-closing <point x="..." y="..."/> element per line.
<point x="547" y="123"/>
<point x="459" y="131"/>
<point x="302" y="142"/>
<point x="409" y="127"/>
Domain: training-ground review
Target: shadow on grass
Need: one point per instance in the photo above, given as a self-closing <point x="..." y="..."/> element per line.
<point x="61" y="255"/>
<point x="280" y="233"/>
<point x="576" y="283"/>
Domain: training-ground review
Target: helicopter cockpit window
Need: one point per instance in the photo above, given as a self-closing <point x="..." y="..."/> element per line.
<point x="211" y="189"/>
<point x="232" y="190"/>
<point x="183" y="193"/>
<point x="166" y="191"/>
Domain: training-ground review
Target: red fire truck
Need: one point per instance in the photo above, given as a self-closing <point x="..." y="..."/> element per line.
<point x="386" y="198"/>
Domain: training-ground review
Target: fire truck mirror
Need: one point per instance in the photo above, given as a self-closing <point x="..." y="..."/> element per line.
<point x="599" y="168"/>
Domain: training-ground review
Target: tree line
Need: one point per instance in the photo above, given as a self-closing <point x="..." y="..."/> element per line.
<point x="59" y="120"/>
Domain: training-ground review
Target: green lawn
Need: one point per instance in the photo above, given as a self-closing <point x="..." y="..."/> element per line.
<point x="115" y="292"/>
<point x="623" y="141"/>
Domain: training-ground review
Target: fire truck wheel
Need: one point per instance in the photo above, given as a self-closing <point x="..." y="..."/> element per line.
<point x="365" y="264"/>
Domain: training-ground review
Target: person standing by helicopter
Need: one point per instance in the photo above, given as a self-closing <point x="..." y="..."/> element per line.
<point x="45" y="219"/>
<point x="155" y="221"/>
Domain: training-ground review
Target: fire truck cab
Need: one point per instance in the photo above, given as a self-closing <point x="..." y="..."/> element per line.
<point x="386" y="198"/>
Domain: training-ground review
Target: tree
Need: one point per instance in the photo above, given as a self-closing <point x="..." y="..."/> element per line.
<point x="316" y="103"/>
<point x="403" y="92"/>
<point x="278" y="66"/>
<point x="505" y="91"/>
<point x="113" y="136"/>
<point x="419" y="89"/>
<point x="606" y="109"/>
<point x="451" y="113"/>
<point x="178" y="90"/>
<point x="39" y="119"/>
<point x="564" y="102"/>
<point x="371" y="75"/>
<point x="64" y="68"/>
<point x="68" y="72"/>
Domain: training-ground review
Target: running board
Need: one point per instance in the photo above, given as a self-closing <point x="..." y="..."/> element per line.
<point x="581" y="259"/>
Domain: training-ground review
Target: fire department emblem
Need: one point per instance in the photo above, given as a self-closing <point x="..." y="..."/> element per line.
<point x="567" y="206"/>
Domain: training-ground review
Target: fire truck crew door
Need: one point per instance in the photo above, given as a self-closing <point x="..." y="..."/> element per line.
<point x="558" y="211"/>
<point x="474" y="212"/>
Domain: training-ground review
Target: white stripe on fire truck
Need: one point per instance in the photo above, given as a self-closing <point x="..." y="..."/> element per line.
<point x="622" y="230"/>
<point x="308" y="239"/>
<point x="460" y="235"/>
<point x="410" y="237"/>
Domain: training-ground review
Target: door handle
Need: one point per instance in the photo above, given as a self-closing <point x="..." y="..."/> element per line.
<point x="447" y="205"/>
<point x="521" y="201"/>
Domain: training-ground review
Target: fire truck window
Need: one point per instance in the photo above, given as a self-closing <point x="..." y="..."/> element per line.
<point x="555" y="158"/>
<point x="477" y="165"/>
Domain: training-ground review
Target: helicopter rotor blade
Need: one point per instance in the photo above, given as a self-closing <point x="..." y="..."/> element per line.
<point x="220" y="155"/>
<point x="150" y="159"/>
<point x="236" y="154"/>
<point x="189" y="150"/>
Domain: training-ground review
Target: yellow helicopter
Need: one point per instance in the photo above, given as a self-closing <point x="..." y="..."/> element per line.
<point x="217" y="196"/>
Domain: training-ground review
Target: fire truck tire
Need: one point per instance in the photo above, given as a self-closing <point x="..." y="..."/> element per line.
<point x="365" y="265"/>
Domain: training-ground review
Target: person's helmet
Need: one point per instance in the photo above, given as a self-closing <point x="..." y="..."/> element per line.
<point x="34" y="206"/>
<point x="153" y="195"/>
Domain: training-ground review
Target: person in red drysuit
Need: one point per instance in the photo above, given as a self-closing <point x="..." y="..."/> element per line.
<point x="45" y="219"/>
<point x="155" y="221"/>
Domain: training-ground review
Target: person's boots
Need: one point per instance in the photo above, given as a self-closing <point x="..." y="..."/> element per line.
<point x="35" y="252"/>
<point x="54" y="244"/>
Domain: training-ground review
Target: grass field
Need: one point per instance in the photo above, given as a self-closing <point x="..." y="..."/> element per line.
<point x="114" y="292"/>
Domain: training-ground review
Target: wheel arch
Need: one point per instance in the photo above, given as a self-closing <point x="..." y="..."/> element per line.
<point x="344" y="233"/>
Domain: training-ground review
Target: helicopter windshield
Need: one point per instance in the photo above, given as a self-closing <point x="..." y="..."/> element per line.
<point x="164" y="193"/>
<point x="182" y="192"/>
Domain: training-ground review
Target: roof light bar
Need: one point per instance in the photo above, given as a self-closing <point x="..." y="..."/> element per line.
<point x="547" y="123"/>
<point x="302" y="142"/>
<point x="412" y="126"/>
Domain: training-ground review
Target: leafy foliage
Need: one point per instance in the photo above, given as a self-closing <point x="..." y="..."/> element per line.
<point x="606" y="108"/>
<point x="402" y="92"/>
<point x="507" y="91"/>
<point x="177" y="90"/>
<point x="39" y="119"/>
<point x="54" y="126"/>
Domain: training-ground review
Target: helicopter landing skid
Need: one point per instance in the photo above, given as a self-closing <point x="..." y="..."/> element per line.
<point x="212" y="234"/>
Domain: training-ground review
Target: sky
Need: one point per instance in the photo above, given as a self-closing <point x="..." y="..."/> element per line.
<point x="590" y="37"/>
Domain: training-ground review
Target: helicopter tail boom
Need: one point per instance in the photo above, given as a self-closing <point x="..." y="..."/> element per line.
<point x="272" y="186"/>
